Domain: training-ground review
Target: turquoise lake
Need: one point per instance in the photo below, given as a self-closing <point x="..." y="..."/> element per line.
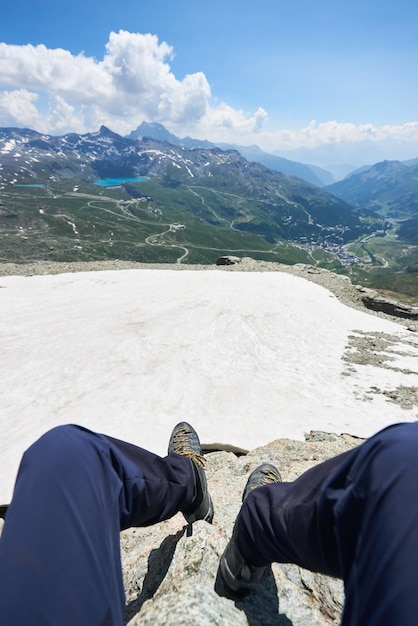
<point x="30" y="185"/>
<point x="112" y="182"/>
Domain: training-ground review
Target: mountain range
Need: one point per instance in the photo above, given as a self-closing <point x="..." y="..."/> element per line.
<point x="245" y="196"/>
<point x="194" y="203"/>
<point x="389" y="187"/>
<point x="311" y="173"/>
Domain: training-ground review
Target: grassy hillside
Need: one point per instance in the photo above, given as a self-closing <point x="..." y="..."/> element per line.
<point x="77" y="221"/>
<point x="388" y="263"/>
<point x="194" y="206"/>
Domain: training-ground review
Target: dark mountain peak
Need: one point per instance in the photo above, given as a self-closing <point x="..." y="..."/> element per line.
<point x="154" y="127"/>
<point x="154" y="130"/>
<point x="104" y="131"/>
<point x="314" y="175"/>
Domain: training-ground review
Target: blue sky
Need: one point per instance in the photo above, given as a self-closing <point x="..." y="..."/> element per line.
<point x="283" y="75"/>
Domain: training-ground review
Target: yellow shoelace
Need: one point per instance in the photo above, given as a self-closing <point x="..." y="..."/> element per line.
<point x="181" y="446"/>
<point x="269" y="477"/>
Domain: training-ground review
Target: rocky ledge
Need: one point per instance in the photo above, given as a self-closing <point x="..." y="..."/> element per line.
<point x="391" y="306"/>
<point x="170" y="578"/>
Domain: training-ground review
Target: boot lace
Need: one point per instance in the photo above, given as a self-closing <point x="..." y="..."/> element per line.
<point x="182" y="445"/>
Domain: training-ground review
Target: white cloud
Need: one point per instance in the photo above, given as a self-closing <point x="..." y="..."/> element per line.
<point x="333" y="132"/>
<point x="61" y="115"/>
<point x="225" y="124"/>
<point x="57" y="71"/>
<point x="18" y="108"/>
<point x="133" y="82"/>
<point x="54" y="91"/>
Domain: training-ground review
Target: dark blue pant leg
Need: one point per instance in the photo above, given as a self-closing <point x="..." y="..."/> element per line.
<point x="376" y="528"/>
<point x="355" y="517"/>
<point x="59" y="549"/>
<point x="289" y="523"/>
<point x="153" y="488"/>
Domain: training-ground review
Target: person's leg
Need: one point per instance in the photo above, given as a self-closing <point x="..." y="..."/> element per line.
<point x="59" y="549"/>
<point x="165" y="480"/>
<point x="354" y="516"/>
<point x="376" y="528"/>
<point x="282" y="522"/>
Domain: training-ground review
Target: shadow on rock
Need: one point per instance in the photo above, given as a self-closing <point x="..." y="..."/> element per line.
<point x="261" y="606"/>
<point x="159" y="562"/>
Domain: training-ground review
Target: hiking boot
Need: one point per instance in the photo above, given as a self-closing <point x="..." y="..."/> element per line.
<point x="264" y="474"/>
<point x="185" y="441"/>
<point x="239" y="577"/>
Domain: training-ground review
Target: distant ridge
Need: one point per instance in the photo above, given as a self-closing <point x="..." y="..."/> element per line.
<point x="388" y="186"/>
<point x="310" y="173"/>
<point x="196" y="204"/>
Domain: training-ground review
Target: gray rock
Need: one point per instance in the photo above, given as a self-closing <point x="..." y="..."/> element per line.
<point x="228" y="260"/>
<point x="170" y="577"/>
<point x="319" y="435"/>
<point x="391" y="306"/>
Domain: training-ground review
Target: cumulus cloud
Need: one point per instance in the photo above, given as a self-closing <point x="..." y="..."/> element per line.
<point x="54" y="91"/>
<point x="18" y="108"/>
<point x="333" y="132"/>
<point x="133" y="82"/>
<point x="56" y="71"/>
<point x="61" y="115"/>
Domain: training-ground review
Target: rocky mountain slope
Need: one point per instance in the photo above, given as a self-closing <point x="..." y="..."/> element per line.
<point x="26" y="154"/>
<point x="206" y="199"/>
<point x="195" y="204"/>
<point x="389" y="187"/>
<point x="389" y="190"/>
<point x="309" y="173"/>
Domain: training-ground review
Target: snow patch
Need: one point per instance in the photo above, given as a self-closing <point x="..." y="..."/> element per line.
<point x="245" y="357"/>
